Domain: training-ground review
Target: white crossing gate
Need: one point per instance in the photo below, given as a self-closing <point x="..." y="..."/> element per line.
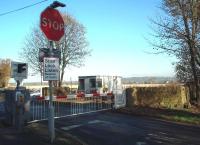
<point x="95" y="93"/>
<point x="120" y="99"/>
<point x="69" y="106"/>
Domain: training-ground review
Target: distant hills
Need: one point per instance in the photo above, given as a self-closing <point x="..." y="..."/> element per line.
<point x="127" y="80"/>
<point x="147" y="80"/>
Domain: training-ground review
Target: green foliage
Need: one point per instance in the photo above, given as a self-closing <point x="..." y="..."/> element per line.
<point x="170" y="96"/>
<point x="183" y="118"/>
<point x="190" y="115"/>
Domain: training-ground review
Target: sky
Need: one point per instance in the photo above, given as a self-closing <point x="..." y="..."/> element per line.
<point x="116" y="32"/>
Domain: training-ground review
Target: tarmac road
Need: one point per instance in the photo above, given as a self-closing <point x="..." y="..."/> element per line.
<point x="109" y="128"/>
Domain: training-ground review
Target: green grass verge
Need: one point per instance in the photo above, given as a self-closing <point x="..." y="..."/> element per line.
<point x="184" y="119"/>
<point x="183" y="116"/>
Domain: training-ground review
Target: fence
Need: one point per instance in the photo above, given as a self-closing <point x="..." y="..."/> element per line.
<point x="68" y="107"/>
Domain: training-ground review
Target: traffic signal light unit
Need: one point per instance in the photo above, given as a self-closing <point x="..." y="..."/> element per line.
<point x="21" y="67"/>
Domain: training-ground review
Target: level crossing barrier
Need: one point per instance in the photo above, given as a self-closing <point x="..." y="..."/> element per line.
<point x="64" y="107"/>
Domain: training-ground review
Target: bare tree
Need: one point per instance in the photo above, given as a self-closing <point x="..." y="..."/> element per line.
<point x="73" y="46"/>
<point x="4" y="72"/>
<point x="30" y="52"/>
<point x="177" y="32"/>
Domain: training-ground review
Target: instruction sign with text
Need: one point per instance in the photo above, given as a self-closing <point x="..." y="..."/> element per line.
<point x="51" y="69"/>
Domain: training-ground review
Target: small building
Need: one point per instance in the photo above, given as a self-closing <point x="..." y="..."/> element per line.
<point x="99" y="84"/>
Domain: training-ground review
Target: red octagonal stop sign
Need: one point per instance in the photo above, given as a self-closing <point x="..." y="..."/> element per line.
<point x="52" y="24"/>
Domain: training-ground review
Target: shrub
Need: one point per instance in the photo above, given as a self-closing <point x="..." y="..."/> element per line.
<point x="169" y="96"/>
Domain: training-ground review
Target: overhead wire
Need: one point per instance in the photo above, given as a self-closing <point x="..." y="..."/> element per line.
<point x="5" y="13"/>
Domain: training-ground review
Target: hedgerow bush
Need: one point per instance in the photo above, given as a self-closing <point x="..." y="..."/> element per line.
<point x="169" y="96"/>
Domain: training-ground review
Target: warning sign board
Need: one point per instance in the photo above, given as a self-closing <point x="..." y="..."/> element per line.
<point x="51" y="69"/>
<point x="19" y="70"/>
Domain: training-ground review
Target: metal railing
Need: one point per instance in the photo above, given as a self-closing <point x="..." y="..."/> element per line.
<point x="69" y="107"/>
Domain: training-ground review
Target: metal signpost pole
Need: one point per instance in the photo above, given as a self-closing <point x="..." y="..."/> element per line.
<point x="52" y="24"/>
<point x="51" y="108"/>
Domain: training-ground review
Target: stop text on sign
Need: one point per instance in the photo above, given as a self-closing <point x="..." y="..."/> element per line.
<point x="52" y="24"/>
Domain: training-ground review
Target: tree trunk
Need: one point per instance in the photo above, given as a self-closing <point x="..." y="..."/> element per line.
<point x="61" y="78"/>
<point x="194" y="71"/>
<point x="191" y="43"/>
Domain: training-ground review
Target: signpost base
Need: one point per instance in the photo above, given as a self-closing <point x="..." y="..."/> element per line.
<point x="51" y="123"/>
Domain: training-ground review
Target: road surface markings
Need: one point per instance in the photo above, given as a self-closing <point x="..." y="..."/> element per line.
<point x="161" y="136"/>
<point x="140" y="143"/>
<point x="71" y="127"/>
<point x="95" y="121"/>
<point x="98" y="121"/>
<point x="79" y="125"/>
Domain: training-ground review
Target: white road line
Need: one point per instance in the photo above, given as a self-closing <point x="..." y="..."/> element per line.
<point x="71" y="127"/>
<point x="140" y="143"/>
<point x="95" y="121"/>
<point x="79" y="125"/>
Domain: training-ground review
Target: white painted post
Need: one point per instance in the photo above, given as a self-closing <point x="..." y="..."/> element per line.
<point x="51" y="108"/>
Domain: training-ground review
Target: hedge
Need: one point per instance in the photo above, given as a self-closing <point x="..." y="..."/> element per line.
<point x="169" y="96"/>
